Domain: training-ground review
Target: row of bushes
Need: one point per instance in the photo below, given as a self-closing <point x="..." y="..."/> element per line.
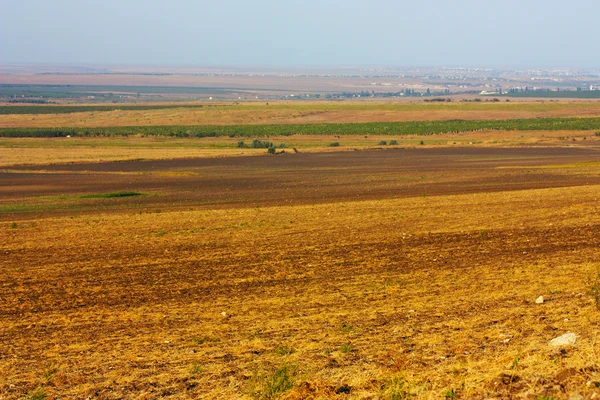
<point x="260" y="144"/>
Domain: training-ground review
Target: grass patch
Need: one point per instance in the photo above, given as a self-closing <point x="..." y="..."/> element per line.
<point x="196" y="369"/>
<point x="346" y="348"/>
<point x="110" y="195"/>
<point x="271" y="386"/>
<point x="396" y="389"/>
<point x="37" y="394"/>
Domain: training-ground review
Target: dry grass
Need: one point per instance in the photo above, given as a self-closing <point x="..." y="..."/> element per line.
<point x="398" y="298"/>
<point x="309" y="112"/>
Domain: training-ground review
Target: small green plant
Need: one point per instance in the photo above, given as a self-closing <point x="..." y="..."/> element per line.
<point x="515" y="362"/>
<point x="382" y="143"/>
<point x="597" y="134"/>
<point x="393" y="142"/>
<point x="346" y="348"/>
<point x="13" y="225"/>
<point x="422" y="142"/>
<point x="241" y="144"/>
<point x="39" y="393"/>
<point x="347" y="328"/>
<point x="334" y="144"/>
<point x="264" y="387"/>
<point x="396" y="389"/>
<point x="271" y="150"/>
<point x="196" y="369"/>
<point x="450" y="394"/>
<point x="205" y="339"/>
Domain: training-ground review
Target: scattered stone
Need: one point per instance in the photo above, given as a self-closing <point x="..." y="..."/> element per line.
<point x="505" y="337"/>
<point x="223" y="314"/>
<point x="568" y="339"/>
<point x="539" y="300"/>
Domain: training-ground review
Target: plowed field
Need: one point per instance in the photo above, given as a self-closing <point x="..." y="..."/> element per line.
<point x="392" y="274"/>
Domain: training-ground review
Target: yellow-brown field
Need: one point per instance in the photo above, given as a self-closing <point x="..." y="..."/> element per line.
<point x="394" y="273"/>
<point x="42" y="151"/>
<point x="306" y="113"/>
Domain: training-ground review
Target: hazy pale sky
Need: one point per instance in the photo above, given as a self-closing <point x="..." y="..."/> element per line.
<point x="302" y="32"/>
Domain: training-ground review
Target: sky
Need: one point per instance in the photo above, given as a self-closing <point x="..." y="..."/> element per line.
<point x="486" y="33"/>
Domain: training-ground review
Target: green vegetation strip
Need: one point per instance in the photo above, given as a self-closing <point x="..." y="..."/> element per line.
<point x="373" y="128"/>
<point x="110" y="195"/>
<point x="6" y="110"/>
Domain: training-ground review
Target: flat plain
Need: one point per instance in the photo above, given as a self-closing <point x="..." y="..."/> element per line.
<point x="302" y="112"/>
<point x="190" y="268"/>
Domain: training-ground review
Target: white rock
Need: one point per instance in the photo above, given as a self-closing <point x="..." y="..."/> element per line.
<point x="223" y="314"/>
<point x="568" y="339"/>
<point x="539" y="300"/>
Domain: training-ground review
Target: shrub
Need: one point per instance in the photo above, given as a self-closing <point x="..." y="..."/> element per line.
<point x="259" y="144"/>
<point x="271" y="150"/>
<point x="382" y="143"/>
<point x="241" y="144"/>
<point x="334" y="144"/>
<point x="393" y="142"/>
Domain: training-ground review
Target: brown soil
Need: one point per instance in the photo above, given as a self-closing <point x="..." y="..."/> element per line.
<point x="398" y="296"/>
<point x="306" y="178"/>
